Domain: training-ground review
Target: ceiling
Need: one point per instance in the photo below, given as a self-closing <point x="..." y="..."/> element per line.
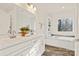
<point x="42" y="7"/>
<point x="7" y="7"/>
<point x="54" y="7"/>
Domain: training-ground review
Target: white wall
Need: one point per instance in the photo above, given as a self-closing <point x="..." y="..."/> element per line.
<point x="78" y="18"/>
<point x="4" y="22"/>
<point x="69" y="13"/>
<point x="63" y="14"/>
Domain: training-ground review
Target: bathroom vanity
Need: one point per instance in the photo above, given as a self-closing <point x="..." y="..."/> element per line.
<point x="22" y="46"/>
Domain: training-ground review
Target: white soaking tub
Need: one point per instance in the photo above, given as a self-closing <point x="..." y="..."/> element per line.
<point x="61" y="41"/>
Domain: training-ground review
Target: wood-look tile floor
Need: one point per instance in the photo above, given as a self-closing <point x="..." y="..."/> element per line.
<point x="56" y="51"/>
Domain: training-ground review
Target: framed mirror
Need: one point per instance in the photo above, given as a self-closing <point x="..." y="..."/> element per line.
<point x="24" y="18"/>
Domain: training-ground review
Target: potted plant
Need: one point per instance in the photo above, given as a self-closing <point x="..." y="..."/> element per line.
<point x="24" y="30"/>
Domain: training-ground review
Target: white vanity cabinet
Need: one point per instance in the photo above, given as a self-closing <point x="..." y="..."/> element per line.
<point x="37" y="49"/>
<point x="29" y="46"/>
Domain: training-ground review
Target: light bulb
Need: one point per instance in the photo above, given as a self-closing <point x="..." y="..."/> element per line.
<point x="34" y="8"/>
<point x="31" y="6"/>
<point x="63" y="7"/>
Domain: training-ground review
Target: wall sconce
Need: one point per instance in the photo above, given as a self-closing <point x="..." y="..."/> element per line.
<point x="49" y="24"/>
<point x="31" y="7"/>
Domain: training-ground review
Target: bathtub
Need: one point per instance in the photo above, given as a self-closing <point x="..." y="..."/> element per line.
<point x="64" y="38"/>
<point x="61" y="41"/>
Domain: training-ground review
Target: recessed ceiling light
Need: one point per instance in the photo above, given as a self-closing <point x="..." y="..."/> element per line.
<point x="63" y="7"/>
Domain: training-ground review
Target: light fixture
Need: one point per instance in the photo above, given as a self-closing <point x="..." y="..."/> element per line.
<point x="63" y="7"/>
<point x="29" y="6"/>
<point x="34" y="8"/>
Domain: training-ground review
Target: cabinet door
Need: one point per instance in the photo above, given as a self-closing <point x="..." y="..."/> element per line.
<point x="38" y="48"/>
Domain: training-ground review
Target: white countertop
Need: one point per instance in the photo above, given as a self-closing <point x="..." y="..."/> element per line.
<point x="6" y="42"/>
